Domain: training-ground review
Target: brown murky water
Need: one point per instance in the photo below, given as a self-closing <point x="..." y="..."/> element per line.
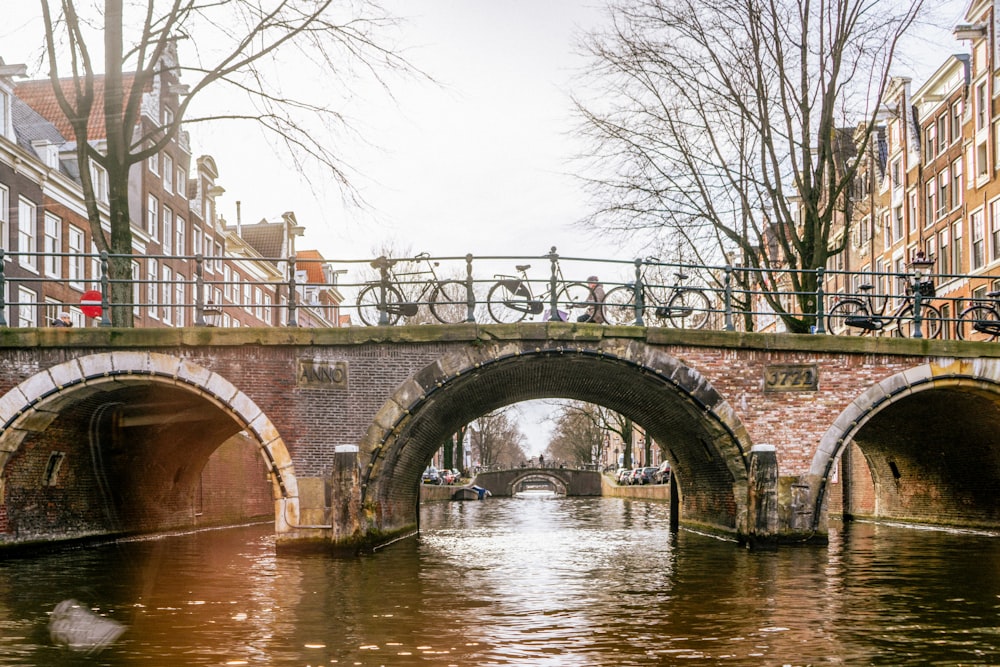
<point x="526" y="581"/>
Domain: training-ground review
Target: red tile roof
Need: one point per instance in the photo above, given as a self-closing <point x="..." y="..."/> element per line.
<point x="40" y="96"/>
<point x="312" y="263"/>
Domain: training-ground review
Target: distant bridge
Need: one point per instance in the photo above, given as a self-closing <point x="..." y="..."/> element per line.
<point x="566" y="481"/>
<point x="765" y="432"/>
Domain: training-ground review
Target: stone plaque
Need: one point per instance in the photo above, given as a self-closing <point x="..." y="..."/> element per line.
<point x="791" y="377"/>
<point x="314" y="373"/>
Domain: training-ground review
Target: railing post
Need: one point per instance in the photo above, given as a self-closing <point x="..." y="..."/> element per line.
<point x="918" y="315"/>
<point x="470" y="294"/>
<point x="199" y="287"/>
<point x="727" y="297"/>
<point x="292" y="292"/>
<point x="3" y="290"/>
<point x="105" y="286"/>
<point x="553" y="282"/>
<point x="639" y="292"/>
<point x="820" y="328"/>
<point x="383" y="285"/>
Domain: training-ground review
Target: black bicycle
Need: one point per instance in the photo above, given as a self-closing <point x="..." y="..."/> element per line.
<point x="446" y="299"/>
<point x="859" y="315"/>
<point x="981" y="320"/>
<point x="675" y="305"/>
<point x="511" y="298"/>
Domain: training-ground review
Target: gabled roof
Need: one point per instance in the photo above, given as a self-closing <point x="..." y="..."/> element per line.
<point x="267" y="238"/>
<point x="30" y="126"/>
<point x="40" y="96"/>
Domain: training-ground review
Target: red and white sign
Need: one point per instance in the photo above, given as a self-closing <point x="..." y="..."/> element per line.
<point x="90" y="303"/>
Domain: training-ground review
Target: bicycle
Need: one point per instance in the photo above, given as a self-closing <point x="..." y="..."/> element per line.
<point x="982" y="317"/>
<point x="858" y="316"/>
<point x="511" y="298"/>
<point x="679" y="306"/>
<point x="446" y="299"/>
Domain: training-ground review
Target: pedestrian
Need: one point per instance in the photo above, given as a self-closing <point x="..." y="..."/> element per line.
<point x="63" y="321"/>
<point x="595" y="312"/>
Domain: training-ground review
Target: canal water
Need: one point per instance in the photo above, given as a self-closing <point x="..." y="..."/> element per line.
<point x="522" y="581"/>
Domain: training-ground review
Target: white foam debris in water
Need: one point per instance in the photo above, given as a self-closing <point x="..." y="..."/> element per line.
<point x="79" y="629"/>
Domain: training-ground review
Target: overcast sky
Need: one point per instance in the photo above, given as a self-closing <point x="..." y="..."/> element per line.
<point x="476" y="164"/>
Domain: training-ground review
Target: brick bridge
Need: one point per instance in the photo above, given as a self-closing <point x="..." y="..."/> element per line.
<point x="566" y="481"/>
<point x="109" y="431"/>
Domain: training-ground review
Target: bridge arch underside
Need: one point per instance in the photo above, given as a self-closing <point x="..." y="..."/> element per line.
<point x="704" y="443"/>
<point x="537" y="480"/>
<point x="931" y="455"/>
<point x="127" y="454"/>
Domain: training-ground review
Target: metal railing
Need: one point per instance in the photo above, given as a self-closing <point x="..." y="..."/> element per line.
<point x="170" y="290"/>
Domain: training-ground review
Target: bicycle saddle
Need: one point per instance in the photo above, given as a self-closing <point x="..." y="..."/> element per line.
<point x="993" y="295"/>
<point x="523" y="267"/>
<point x="681" y="276"/>
<point x="865" y="288"/>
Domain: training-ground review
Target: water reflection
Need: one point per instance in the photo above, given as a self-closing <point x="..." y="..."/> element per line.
<point x="522" y="581"/>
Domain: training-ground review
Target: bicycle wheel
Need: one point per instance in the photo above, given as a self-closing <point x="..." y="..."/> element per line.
<point x="507" y="303"/>
<point x="978" y="322"/>
<point x="619" y="306"/>
<point x="845" y="311"/>
<point x="575" y="299"/>
<point x="688" y="309"/>
<point x="929" y="328"/>
<point x="369" y="302"/>
<point x="448" y="302"/>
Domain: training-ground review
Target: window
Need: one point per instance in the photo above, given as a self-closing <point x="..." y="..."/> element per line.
<point x="99" y="178"/>
<point x="942" y="200"/>
<point x="956" y="121"/>
<point x="152" y="276"/>
<point x="152" y="215"/>
<point x="207" y="254"/>
<point x="227" y="278"/>
<point x="978" y="228"/>
<point x="944" y="257"/>
<point x="168" y="229"/>
<point x="136" y="278"/>
<point x="247" y="296"/>
<point x="168" y="117"/>
<point x="5" y="219"/>
<point x="26" y="307"/>
<point x="179" y="299"/>
<point x="168" y="173"/>
<point x="218" y="256"/>
<point x="181" y="183"/>
<point x="154" y="163"/>
<point x="886" y="230"/>
<point x="52" y="261"/>
<point x="912" y="212"/>
<point x="942" y="132"/>
<point x="181" y="248"/>
<point x="897" y="223"/>
<point x="26" y="233"/>
<point x="956" y="183"/>
<point x="76" y="264"/>
<point x="956" y="248"/>
<point x="897" y="174"/>
<point x="267" y="309"/>
<point x="258" y="301"/>
<point x="982" y="109"/>
<point x="235" y="298"/>
<point x="982" y="160"/>
<point x="167" y="290"/>
<point x="930" y="206"/>
<point x="930" y="142"/>
<point x="995" y="229"/>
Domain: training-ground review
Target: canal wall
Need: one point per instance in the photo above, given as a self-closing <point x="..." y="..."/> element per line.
<point x="434" y="492"/>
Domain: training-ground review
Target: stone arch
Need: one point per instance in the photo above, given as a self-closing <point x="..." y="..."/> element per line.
<point x="31" y="406"/>
<point x="705" y="440"/>
<point x="962" y="389"/>
<point x="554" y="479"/>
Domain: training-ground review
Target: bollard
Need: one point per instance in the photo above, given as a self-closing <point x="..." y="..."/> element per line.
<point x="345" y="494"/>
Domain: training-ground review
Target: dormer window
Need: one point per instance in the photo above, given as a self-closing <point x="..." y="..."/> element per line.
<point x="47" y="152"/>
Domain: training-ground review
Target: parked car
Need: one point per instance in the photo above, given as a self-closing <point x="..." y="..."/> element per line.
<point x="620" y="475"/>
<point x="431" y="476"/>
<point x="644" y="475"/>
<point x="633" y="476"/>
<point x="662" y="474"/>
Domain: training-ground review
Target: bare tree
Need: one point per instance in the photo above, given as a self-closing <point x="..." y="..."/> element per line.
<point x="716" y="128"/>
<point x="496" y="439"/>
<point x="577" y="437"/>
<point x="241" y="46"/>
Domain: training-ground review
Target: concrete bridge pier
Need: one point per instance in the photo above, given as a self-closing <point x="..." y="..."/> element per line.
<point x="762" y="498"/>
